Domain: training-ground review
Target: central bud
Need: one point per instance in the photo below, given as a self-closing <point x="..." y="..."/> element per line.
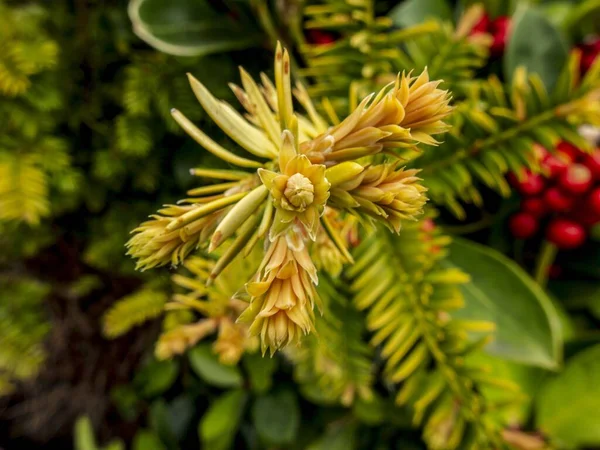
<point x="299" y="191"/>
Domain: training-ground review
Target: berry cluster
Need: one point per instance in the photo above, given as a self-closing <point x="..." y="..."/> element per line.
<point x="589" y="52"/>
<point x="320" y="37"/>
<point x="566" y="194"/>
<point x="498" y="28"/>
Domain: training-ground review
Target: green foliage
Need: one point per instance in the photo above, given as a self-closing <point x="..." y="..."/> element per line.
<point x="494" y="131"/>
<point x="276" y="417"/>
<point x="370" y="53"/>
<point x="336" y="365"/>
<point x="23" y="327"/>
<point x="23" y="189"/>
<point x="146" y="440"/>
<point x="219" y="425"/>
<point x="338" y="437"/>
<point x="527" y="324"/>
<point x="84" y="438"/>
<point x="403" y="319"/>
<point x="575" y="422"/>
<point x="207" y="366"/>
<point x="132" y="310"/>
<point x="188" y="28"/>
<point x="410" y="296"/>
<point x="34" y="162"/>
<point x="155" y="378"/>
<point x="260" y="371"/>
<point x="536" y="45"/>
<point x="414" y="12"/>
<point x="25" y="51"/>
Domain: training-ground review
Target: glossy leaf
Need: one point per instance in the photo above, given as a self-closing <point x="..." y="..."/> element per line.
<point x="220" y="423"/>
<point x="160" y="423"/>
<point x="145" y="440"/>
<point x="413" y="12"/>
<point x="536" y="44"/>
<point x="84" y="435"/>
<point x="371" y="412"/>
<point x="187" y="27"/>
<point x="126" y="400"/>
<point x="115" y="445"/>
<point x="527" y="325"/>
<point x="180" y="412"/>
<point x="276" y="417"/>
<point x="337" y="437"/>
<point x="567" y="407"/>
<point x="583" y="18"/>
<point x="155" y="378"/>
<point x="207" y="366"/>
<point x="260" y="371"/>
<point x="528" y="378"/>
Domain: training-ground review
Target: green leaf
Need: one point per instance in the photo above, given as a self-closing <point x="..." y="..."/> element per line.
<point x="220" y="423"/>
<point x="188" y="27"/>
<point x="260" y="371"/>
<point x="340" y="436"/>
<point x="371" y="412"/>
<point x="155" y="378"/>
<point x="528" y="378"/>
<point x="84" y="434"/>
<point x="179" y="415"/>
<point x="567" y="407"/>
<point x="577" y="294"/>
<point x="115" y="445"/>
<point x="557" y="12"/>
<point x="583" y="18"/>
<point x="276" y="417"/>
<point x="160" y="424"/>
<point x="126" y="400"/>
<point x="413" y="12"/>
<point x="536" y="44"/>
<point x="145" y="440"/>
<point x="527" y="325"/>
<point x="207" y="366"/>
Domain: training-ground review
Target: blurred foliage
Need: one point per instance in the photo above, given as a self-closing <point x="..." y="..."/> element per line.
<point x="23" y="327"/>
<point x="88" y="147"/>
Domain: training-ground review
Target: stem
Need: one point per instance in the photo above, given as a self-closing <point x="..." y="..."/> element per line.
<point x="543" y="263"/>
<point x="481" y="224"/>
<point x="491" y="141"/>
<point x="265" y="18"/>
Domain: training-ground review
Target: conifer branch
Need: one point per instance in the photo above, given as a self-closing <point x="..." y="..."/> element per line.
<point x="409" y="295"/>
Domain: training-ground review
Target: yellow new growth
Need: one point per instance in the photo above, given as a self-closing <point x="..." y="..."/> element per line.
<point x="302" y="165"/>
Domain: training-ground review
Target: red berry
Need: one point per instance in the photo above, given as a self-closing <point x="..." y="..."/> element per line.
<point x="589" y="52"/>
<point x="534" y="206"/>
<point x="523" y="225"/>
<point x="565" y="234"/>
<point x="532" y="184"/>
<point x="593" y="200"/>
<point x="568" y="149"/>
<point x="320" y="37"/>
<point x="592" y="162"/>
<point x="555" y="165"/>
<point x="499" y="27"/>
<point x="557" y="201"/>
<point x="577" y="179"/>
<point x="585" y="217"/>
<point x="482" y="26"/>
